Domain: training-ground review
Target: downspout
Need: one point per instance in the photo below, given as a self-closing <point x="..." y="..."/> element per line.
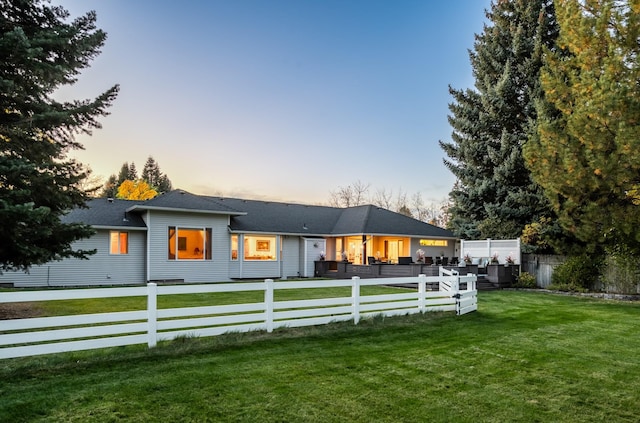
<point x="147" y="258"/>
<point x="280" y="239"/>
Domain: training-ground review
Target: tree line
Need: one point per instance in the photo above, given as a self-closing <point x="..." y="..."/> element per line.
<point x="126" y="185"/>
<point x="545" y="146"/>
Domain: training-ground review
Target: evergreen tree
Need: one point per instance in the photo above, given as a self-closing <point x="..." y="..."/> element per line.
<point x="132" y="174"/>
<point x="586" y="150"/>
<point x="151" y="172"/>
<point x="494" y="196"/>
<point x="110" y="189"/>
<point x="41" y="51"/>
<point x="154" y="177"/>
<point x="123" y="175"/>
<point x="165" y="184"/>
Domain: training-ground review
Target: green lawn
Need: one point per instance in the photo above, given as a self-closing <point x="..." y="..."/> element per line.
<point x="524" y="356"/>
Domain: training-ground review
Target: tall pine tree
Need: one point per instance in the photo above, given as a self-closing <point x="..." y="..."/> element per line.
<point x="586" y="150"/>
<point x="494" y="195"/>
<point x="153" y="176"/>
<point x="42" y="51"/>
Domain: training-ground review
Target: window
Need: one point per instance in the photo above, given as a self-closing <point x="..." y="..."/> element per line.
<point x="118" y="242"/>
<point x="189" y="243"/>
<point x="259" y="247"/>
<point x="234" y="247"/>
<point x="434" y="242"/>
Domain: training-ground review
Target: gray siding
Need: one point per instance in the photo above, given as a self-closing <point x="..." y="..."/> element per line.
<point x="161" y="268"/>
<point x="310" y="249"/>
<point x="290" y="256"/>
<point x="101" y="269"/>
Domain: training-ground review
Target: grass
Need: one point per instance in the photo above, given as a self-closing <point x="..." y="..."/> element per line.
<point x="523" y="357"/>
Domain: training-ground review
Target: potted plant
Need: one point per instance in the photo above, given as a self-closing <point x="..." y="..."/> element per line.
<point x="501" y="276"/>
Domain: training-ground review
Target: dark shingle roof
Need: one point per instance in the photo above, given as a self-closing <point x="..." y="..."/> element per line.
<point x="266" y="216"/>
<point x="275" y="217"/>
<point x="382" y="221"/>
<point x="182" y="200"/>
<point x="261" y="216"/>
<point x="102" y="212"/>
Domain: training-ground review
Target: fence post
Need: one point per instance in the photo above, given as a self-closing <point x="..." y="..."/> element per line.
<point x="422" y="289"/>
<point x="455" y="282"/>
<point x="355" y="299"/>
<point x="152" y="314"/>
<point x="268" y="304"/>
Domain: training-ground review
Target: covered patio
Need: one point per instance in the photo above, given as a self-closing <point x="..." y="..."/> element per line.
<point x="487" y="276"/>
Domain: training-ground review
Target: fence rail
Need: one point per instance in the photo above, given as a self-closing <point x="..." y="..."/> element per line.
<point x="47" y="335"/>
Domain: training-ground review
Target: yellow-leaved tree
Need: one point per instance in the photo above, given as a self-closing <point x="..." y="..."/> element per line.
<point x="136" y="190"/>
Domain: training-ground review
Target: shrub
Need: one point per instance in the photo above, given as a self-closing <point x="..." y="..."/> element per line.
<point x="525" y="280"/>
<point x="577" y="273"/>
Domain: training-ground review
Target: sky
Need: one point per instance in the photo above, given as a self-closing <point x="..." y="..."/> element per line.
<point x="280" y="100"/>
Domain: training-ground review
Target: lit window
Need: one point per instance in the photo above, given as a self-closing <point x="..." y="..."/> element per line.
<point x="434" y="242"/>
<point x="234" y="247"/>
<point x="259" y="247"/>
<point x="189" y="243"/>
<point x="118" y="242"/>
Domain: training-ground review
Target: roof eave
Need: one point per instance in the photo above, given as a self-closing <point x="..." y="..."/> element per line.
<point x="131" y="228"/>
<point x="174" y="209"/>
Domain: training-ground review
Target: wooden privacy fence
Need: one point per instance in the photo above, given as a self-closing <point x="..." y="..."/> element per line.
<point x="47" y="335"/>
<point x="541" y="266"/>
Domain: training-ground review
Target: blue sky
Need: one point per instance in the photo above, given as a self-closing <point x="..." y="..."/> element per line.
<point x="280" y="100"/>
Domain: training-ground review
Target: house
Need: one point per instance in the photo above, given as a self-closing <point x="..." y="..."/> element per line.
<point x="179" y="236"/>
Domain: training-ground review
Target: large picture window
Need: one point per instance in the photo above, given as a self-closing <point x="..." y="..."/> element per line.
<point x="259" y="247"/>
<point x="118" y="242"/>
<point x="189" y="243"/>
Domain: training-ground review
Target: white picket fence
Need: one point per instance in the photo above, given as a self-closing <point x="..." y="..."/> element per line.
<point x="47" y="335"/>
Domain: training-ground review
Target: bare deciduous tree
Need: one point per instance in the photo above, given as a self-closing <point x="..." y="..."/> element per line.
<point x="383" y="198"/>
<point x="355" y="194"/>
<point x="418" y="207"/>
<point x="92" y="183"/>
<point x="401" y="205"/>
<point x="350" y="196"/>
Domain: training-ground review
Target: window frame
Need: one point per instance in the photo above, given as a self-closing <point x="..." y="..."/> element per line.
<point x="119" y="250"/>
<point x="235" y="253"/>
<point x="180" y="243"/>
<point x="254" y="248"/>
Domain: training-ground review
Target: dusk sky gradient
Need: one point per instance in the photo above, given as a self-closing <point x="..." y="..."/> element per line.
<point x="280" y="100"/>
